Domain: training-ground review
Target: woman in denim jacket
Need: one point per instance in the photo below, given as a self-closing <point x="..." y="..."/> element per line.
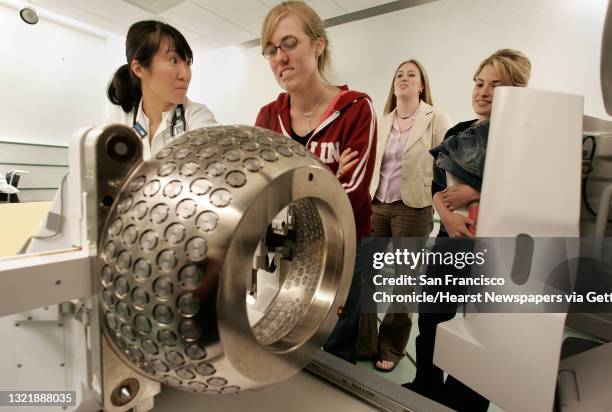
<point x="462" y="153"/>
<point x="461" y="158"/>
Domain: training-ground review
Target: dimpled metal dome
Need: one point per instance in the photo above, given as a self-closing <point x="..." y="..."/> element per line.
<point x="176" y="251"/>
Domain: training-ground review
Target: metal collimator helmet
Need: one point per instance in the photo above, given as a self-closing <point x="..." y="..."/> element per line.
<point x="176" y="252"/>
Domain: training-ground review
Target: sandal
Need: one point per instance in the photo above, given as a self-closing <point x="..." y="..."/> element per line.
<point x="382" y="369"/>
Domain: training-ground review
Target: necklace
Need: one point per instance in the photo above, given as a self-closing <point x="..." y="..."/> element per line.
<point x="407" y="117"/>
<point x="308" y="115"/>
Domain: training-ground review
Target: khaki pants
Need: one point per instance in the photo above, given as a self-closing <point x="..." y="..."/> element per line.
<point x="394" y="220"/>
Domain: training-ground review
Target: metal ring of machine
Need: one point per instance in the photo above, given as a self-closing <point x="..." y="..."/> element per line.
<point x="177" y="248"/>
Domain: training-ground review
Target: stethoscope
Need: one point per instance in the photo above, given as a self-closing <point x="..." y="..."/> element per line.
<point x="177" y="127"/>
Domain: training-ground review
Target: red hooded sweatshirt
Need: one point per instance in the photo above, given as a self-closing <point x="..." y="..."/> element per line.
<point x="351" y="122"/>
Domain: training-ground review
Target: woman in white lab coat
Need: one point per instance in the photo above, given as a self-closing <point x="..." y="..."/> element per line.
<point x="149" y="92"/>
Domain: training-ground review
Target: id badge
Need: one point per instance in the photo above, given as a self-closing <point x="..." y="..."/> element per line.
<point x="168" y="137"/>
<point x="179" y="128"/>
<point x="139" y="130"/>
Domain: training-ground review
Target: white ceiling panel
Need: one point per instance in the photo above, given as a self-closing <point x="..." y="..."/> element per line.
<point x="206" y="24"/>
<point x="356" y="5"/>
<point x="203" y="43"/>
<point x="236" y="11"/>
<point x="62" y="7"/>
<point x="195" y="18"/>
<point x="189" y="35"/>
<point x="53" y="5"/>
<point x="94" y="20"/>
<point x="232" y="36"/>
<point x="326" y="9"/>
<point x="271" y="3"/>
<point x="114" y="10"/>
<point x="155" y="6"/>
<point x="253" y="26"/>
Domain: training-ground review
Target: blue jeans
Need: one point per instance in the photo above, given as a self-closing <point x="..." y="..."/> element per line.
<point x="343" y="340"/>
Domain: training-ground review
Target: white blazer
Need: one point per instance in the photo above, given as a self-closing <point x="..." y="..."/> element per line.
<point x="427" y="132"/>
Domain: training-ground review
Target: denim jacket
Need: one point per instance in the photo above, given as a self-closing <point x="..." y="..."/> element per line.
<point x="462" y="155"/>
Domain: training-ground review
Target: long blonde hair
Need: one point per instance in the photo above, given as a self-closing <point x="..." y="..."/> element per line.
<point x="425" y="94"/>
<point x="312" y="25"/>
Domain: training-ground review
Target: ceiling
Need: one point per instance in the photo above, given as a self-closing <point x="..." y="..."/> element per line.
<point x="207" y="24"/>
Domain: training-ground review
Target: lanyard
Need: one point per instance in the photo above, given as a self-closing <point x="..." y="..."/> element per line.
<point x="178" y="126"/>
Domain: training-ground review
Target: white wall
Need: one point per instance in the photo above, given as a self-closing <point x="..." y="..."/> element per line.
<point x="52" y="79"/>
<point x="234" y="85"/>
<point x="450" y="37"/>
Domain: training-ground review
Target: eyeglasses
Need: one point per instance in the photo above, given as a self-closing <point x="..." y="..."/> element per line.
<point x="287" y="44"/>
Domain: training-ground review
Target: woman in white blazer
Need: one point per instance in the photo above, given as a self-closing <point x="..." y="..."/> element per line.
<point x="401" y="192"/>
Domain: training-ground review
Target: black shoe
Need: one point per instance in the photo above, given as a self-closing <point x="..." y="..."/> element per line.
<point x="428" y="392"/>
<point x="413" y="386"/>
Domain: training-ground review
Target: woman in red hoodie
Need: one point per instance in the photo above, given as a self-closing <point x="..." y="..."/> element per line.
<point x="336" y="124"/>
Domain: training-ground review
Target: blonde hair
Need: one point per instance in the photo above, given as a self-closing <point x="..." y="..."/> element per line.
<point x="312" y="25"/>
<point x="425" y="94"/>
<point x="511" y="64"/>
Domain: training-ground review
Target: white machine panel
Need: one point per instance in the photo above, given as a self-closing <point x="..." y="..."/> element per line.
<point x="531" y="186"/>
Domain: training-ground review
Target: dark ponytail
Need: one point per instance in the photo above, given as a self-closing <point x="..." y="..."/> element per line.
<point x="124" y="89"/>
<point x="142" y="42"/>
